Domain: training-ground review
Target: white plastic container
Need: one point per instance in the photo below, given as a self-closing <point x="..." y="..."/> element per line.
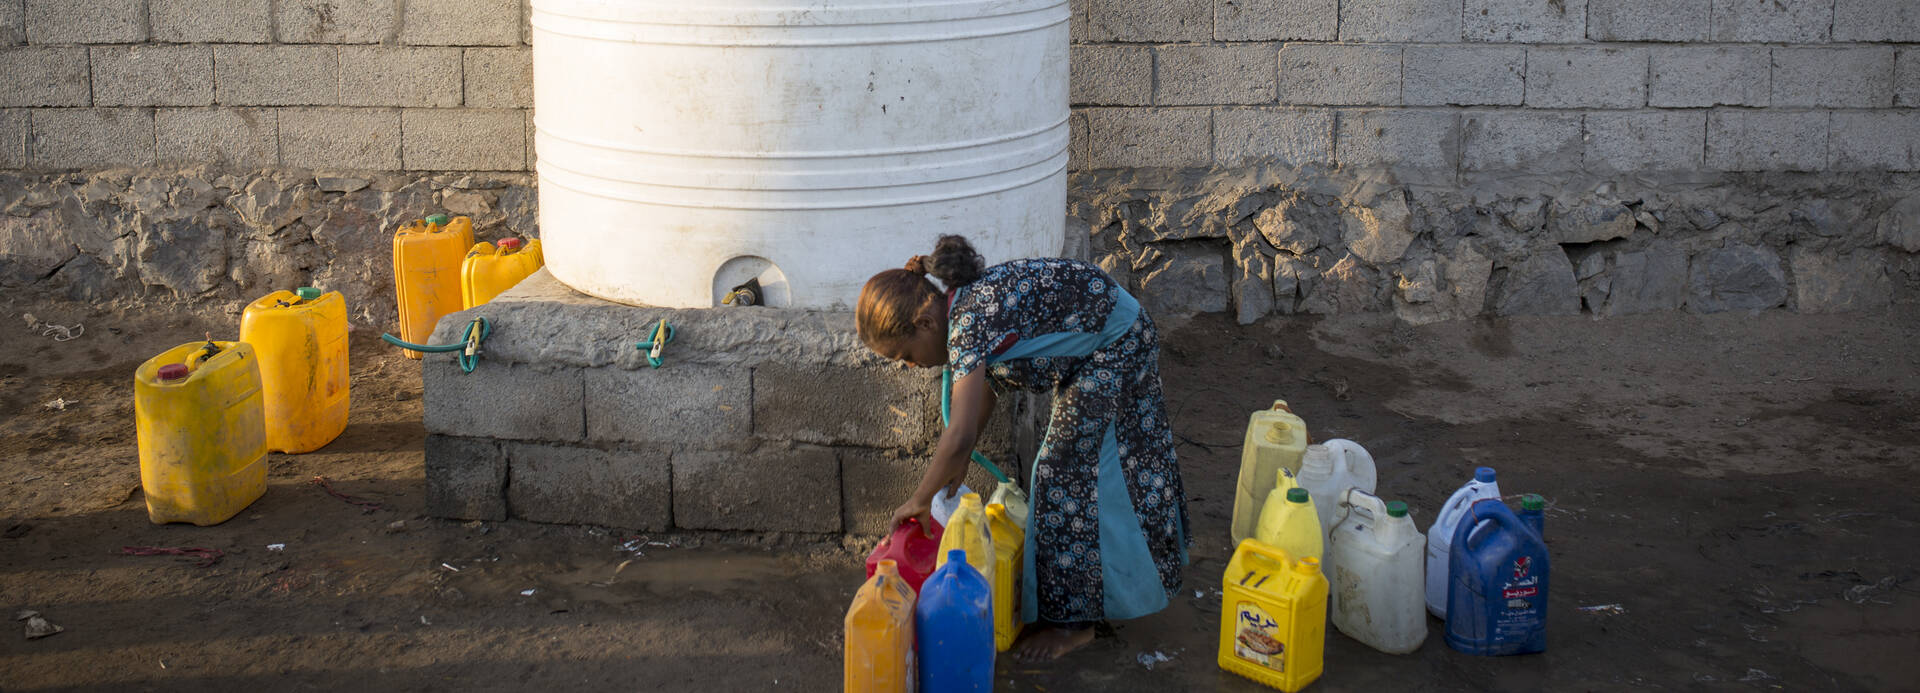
<point x="686" y="147"/>
<point x="1440" y="534"/>
<point x="1327" y="470"/>
<point x="1374" y="564"/>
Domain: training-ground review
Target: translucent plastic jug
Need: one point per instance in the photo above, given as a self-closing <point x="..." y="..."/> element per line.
<point x="945" y="503"/>
<point x="1440" y="535"/>
<point x="1014" y="500"/>
<point x="1273" y="617"/>
<point x="198" y="419"/>
<point x="489" y="269"/>
<point x="1290" y="523"/>
<point x="953" y="629"/>
<point x="1009" y="547"/>
<point x="301" y="339"/>
<point x="879" y="638"/>
<point x="426" y="273"/>
<point x="967" y="531"/>
<point x="1374" y="564"/>
<point x="1276" y="439"/>
<point x="1497" y="584"/>
<point x="1327" y="470"/>
<point x="913" y="552"/>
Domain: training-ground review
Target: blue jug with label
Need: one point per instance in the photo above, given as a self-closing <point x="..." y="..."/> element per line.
<point x="953" y="628"/>
<point x="1496" y="584"/>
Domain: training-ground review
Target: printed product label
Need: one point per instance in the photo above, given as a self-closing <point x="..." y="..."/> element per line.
<point x="1258" y="638"/>
<point x="1524" y="614"/>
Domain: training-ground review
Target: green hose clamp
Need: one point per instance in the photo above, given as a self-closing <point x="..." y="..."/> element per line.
<point x="654" y="346"/>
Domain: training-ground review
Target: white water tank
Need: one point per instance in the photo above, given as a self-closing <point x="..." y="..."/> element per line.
<point x="685" y="146"/>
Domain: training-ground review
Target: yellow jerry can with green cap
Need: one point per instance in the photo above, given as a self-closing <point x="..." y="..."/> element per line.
<point x="491" y="269"/>
<point x="300" y="337"/>
<point x="198" y="418"/>
<point x="426" y="273"/>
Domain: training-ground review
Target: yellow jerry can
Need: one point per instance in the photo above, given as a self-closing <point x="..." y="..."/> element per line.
<point x="1273" y="617"/>
<point x="879" y="637"/>
<point x="1276" y="439"/>
<point x="300" y="337"/>
<point x="490" y="269"/>
<point x="426" y="273"/>
<point x="967" y="530"/>
<point x="1009" y="544"/>
<point x="198" y="419"/>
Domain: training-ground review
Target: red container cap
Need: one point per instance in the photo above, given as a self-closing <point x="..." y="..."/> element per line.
<point x="174" y="371"/>
<point x="509" y="244"/>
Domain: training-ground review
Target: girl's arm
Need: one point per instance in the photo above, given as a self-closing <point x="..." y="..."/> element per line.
<point x="973" y="400"/>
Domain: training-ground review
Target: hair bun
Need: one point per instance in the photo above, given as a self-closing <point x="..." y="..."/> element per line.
<point x="917" y="265"/>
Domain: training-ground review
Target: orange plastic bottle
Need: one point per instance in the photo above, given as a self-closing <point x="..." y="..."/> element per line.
<point x="301" y="339"/>
<point x="879" y="637"/>
<point x="490" y="270"/>
<point x="426" y="273"/>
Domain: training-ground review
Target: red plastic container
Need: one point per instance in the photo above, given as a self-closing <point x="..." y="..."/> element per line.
<point x="913" y="550"/>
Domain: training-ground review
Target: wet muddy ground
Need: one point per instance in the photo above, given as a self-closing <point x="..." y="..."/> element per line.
<point x="1741" y="485"/>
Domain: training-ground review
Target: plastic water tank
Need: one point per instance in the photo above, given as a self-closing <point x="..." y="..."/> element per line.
<point x="686" y="147"/>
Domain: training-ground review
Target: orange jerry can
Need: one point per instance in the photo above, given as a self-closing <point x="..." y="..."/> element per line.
<point x="490" y="269"/>
<point x="197" y="416"/>
<point x="426" y="273"/>
<point x="879" y="635"/>
<point x="300" y="337"/>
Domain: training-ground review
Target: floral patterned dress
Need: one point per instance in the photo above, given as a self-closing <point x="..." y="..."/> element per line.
<point x="1107" y="537"/>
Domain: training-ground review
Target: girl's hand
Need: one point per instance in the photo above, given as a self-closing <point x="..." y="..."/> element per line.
<point x="917" y="509"/>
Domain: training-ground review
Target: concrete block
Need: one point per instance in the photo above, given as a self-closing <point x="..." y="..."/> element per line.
<point x="874" y="482"/>
<point x="1772" y="21"/>
<point x="532" y="156"/>
<point x="883" y="406"/>
<point x="1163" y="21"/>
<point x="1697" y="76"/>
<point x="93" y="137"/>
<point x="1525" y="21"/>
<point x="546" y="405"/>
<point x="1418" y="21"/>
<point x="467" y="139"/>
<point x="276" y="75"/>
<point x="628" y="489"/>
<point x="86" y="21"/>
<point x="336" y="21"/>
<point x="1740" y="140"/>
<point x="499" y="77"/>
<point x="1586" y="77"/>
<point x="1464" y="76"/>
<point x="399" y="76"/>
<point x="466" y="478"/>
<point x="152" y="75"/>
<point x="352" y="138"/>
<point x="1216" y="74"/>
<point x="1827" y="282"/>
<point x="1417" y="140"/>
<point x="1906" y="79"/>
<point x="1335" y="75"/>
<point x="685" y="405"/>
<point x="1520" y="140"/>
<point x="1276" y="20"/>
<point x="13" y="22"/>
<point x="15" y="126"/>
<point x="1677" y="21"/>
<point x="1148" y="137"/>
<point x="773" y="488"/>
<point x="1833" y="77"/>
<point x="1077" y="154"/>
<point x="461" y="23"/>
<point x="1112" y="75"/>
<point x="229" y="21"/>
<point x="236" y="137"/>
<point x="44" y="77"/>
<point x="1284" y="136"/>
<point x="1875" y="141"/>
<point x="1876" y="20"/>
<point x="1646" y="140"/>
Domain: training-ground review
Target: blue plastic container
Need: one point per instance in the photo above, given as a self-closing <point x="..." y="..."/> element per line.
<point x="1533" y="511"/>
<point x="953" y="629"/>
<point x="1496" y="584"/>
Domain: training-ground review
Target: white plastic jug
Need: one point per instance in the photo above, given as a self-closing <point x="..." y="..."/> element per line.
<point x="1374" y="564"/>
<point x="1014" y="500"/>
<point x="1327" y="470"/>
<point x="944" y="503"/>
<point x="1440" y="534"/>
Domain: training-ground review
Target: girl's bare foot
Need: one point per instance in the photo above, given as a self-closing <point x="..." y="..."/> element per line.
<point x="1048" y="644"/>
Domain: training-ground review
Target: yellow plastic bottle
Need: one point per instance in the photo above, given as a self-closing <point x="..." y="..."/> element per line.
<point x="301" y="339"/>
<point x="1009" y="543"/>
<point x="1273" y="620"/>
<point x="879" y="638"/>
<point x="426" y="273"/>
<point x="198" y="418"/>
<point x="489" y="269"/>
<point x="967" y="530"/>
<point x="1276" y="439"/>
<point x="1291" y="524"/>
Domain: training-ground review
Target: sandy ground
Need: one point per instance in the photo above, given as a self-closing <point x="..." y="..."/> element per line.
<point x="1741" y="484"/>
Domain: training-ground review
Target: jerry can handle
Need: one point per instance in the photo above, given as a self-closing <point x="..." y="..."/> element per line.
<point x="1471" y="523"/>
<point x="1349" y="457"/>
<point x="1358" y="500"/>
<point x="1269" y="552"/>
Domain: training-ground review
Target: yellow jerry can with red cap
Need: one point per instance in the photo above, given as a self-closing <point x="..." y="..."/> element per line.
<point x="198" y="417"/>
<point x="426" y="273"/>
<point x="300" y="337"/>
<point x="491" y="269"/>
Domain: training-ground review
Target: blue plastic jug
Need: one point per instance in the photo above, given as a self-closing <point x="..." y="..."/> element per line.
<point x="1496" y="584"/>
<point x="1533" y="511"/>
<point x="953" y="628"/>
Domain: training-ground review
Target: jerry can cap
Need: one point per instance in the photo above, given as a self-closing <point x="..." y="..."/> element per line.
<point x="1483" y="475"/>
<point x="1307" y="564"/>
<point x="509" y="244"/>
<point x="1296" y="495"/>
<point x="174" y="371"/>
<point x="438" y="220"/>
<point x="1533" y="501"/>
<point x="307" y="293"/>
<point x="1396" y="509"/>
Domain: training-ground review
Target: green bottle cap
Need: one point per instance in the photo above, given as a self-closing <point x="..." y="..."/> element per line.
<point x="1533" y="502"/>
<point x="1296" y="495"/>
<point x="1396" y="509"/>
<point x="307" y="293"/>
<point x="438" y="220"/>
